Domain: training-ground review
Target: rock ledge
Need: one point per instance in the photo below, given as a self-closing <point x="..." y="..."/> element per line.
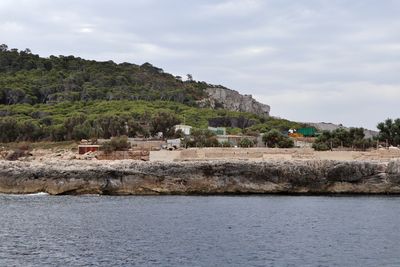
<point x="206" y="177"/>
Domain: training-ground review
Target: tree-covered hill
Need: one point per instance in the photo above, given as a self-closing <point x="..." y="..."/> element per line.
<point x="26" y="78"/>
<point x="69" y="98"/>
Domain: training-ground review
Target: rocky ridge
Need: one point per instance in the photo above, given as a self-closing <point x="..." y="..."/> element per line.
<point x="201" y="177"/>
<point x="220" y="97"/>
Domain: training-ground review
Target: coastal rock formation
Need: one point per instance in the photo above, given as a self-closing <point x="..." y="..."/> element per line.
<point x="201" y="177"/>
<point x="220" y="97"/>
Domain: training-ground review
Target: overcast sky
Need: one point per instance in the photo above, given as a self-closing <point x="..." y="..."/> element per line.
<point x="310" y="60"/>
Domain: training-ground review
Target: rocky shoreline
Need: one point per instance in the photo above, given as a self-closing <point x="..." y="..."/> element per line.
<point x="200" y="177"/>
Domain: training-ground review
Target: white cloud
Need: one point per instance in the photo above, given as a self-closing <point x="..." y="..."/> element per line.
<point x="231" y="7"/>
<point x="11" y="27"/>
<point x="85" y="30"/>
<point x="309" y="59"/>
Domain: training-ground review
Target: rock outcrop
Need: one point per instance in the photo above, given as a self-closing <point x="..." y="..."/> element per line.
<point x="220" y="97"/>
<point x="206" y="177"/>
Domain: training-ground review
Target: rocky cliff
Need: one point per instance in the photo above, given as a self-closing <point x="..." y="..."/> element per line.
<point x="220" y="97"/>
<point x="207" y="177"/>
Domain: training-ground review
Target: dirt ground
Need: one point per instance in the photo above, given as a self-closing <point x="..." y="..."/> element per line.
<point x="69" y="152"/>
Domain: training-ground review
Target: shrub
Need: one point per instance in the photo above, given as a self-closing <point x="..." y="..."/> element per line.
<point x="389" y="131"/>
<point x="120" y="143"/>
<point x="352" y="138"/>
<point x="320" y="146"/>
<point x="286" y="142"/>
<point x="363" y="143"/>
<point x="203" y="138"/>
<point x="226" y="144"/>
<point x="245" y="142"/>
<point x="274" y="138"/>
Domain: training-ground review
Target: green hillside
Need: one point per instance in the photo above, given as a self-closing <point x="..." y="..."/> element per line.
<point x="69" y="98"/>
<point x="26" y="78"/>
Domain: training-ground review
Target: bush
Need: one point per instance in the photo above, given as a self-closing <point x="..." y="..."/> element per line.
<point x="120" y="143"/>
<point x="274" y="138"/>
<point x="363" y="143"/>
<point x="245" y="142"/>
<point x="389" y="131"/>
<point x="352" y="138"/>
<point x="286" y="142"/>
<point x="203" y="138"/>
<point x="320" y="146"/>
<point x="226" y="144"/>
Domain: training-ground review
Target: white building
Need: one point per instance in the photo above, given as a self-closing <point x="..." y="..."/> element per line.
<point x="186" y="129"/>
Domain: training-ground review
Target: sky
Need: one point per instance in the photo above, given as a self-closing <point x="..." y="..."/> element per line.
<point x="310" y="60"/>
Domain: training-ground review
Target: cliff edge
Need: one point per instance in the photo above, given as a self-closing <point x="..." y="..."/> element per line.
<point x="206" y="177"/>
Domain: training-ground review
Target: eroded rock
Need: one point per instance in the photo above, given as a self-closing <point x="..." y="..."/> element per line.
<point x="206" y="177"/>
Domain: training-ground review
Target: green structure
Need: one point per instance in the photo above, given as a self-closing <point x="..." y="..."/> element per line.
<point x="307" y="132"/>
<point x="218" y="130"/>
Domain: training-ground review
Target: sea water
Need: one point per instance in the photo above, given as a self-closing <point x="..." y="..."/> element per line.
<point x="42" y="230"/>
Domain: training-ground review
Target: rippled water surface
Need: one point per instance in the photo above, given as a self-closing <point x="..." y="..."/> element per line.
<point x="199" y="231"/>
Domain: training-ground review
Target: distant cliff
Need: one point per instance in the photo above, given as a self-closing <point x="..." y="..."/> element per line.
<point x="206" y="177"/>
<point x="220" y="97"/>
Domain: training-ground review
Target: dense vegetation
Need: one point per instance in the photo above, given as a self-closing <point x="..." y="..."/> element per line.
<point x="389" y="131"/>
<point x="274" y="138"/>
<point x="104" y="119"/>
<point x="118" y="143"/>
<point x="352" y="138"/>
<point x="69" y="98"/>
<point x="28" y="78"/>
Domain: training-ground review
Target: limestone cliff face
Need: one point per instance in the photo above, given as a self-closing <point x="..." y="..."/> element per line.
<point x="207" y="177"/>
<point x="220" y="97"/>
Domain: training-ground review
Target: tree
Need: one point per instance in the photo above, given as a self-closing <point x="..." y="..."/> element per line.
<point x="69" y="78"/>
<point x="8" y="130"/>
<point x="354" y="138"/>
<point x="286" y="142"/>
<point x="246" y="142"/>
<point x="119" y="143"/>
<point x="14" y="96"/>
<point x="164" y="121"/>
<point x="271" y="138"/>
<point x="274" y="138"/>
<point x="203" y="138"/>
<point x="57" y="132"/>
<point x="29" y="131"/>
<point x="226" y="144"/>
<point x="389" y="131"/>
<point x="71" y="123"/>
<point x="3" y="47"/>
